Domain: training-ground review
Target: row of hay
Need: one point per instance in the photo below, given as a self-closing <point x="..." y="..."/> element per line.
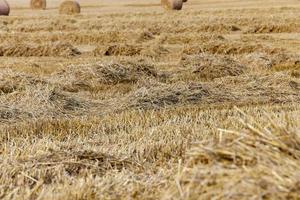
<point x="107" y="37"/>
<point x="155" y="27"/>
<point x="89" y="77"/>
<point x="69" y="92"/>
<point x="230" y="48"/>
<point x="242" y="90"/>
<point x="152" y="50"/>
<point x="26" y="50"/>
<point x="80" y="38"/>
<point x="210" y="66"/>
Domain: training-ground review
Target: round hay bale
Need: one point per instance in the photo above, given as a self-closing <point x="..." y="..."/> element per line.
<point x="38" y="4"/>
<point x="4" y="7"/>
<point x="69" y="8"/>
<point x="172" y="4"/>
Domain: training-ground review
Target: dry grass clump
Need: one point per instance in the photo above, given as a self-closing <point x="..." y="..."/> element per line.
<point x="118" y="50"/>
<point x="261" y="161"/>
<point x="89" y="77"/>
<point x="65" y="102"/>
<point x="24" y="98"/>
<point x="208" y="66"/>
<point x="38" y="4"/>
<point x="69" y="8"/>
<point x="12" y="115"/>
<point x="164" y="95"/>
<point x="8" y="86"/>
<point x="27" y="50"/>
<point x="172" y="4"/>
<point x="4" y="8"/>
<point x="13" y="81"/>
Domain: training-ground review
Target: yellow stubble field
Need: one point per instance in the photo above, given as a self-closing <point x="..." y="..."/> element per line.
<point x="129" y="101"/>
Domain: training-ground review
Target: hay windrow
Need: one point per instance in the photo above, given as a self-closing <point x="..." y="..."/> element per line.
<point x="281" y="28"/>
<point x="28" y="50"/>
<point x="80" y="38"/>
<point x="162" y="95"/>
<point x="276" y="62"/>
<point x="192" y="39"/>
<point x="89" y="77"/>
<point x="119" y="50"/>
<point x="230" y="48"/>
<point x="208" y="66"/>
<point x="252" y="90"/>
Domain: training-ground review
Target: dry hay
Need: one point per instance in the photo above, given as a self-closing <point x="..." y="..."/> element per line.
<point x="172" y="4"/>
<point x="163" y="95"/>
<point x="261" y="161"/>
<point x="229" y="48"/>
<point x="69" y="8"/>
<point x="74" y="163"/>
<point x="186" y="38"/>
<point x="277" y="62"/>
<point x="234" y="90"/>
<point x="26" y="50"/>
<point x="13" y="115"/>
<point x="13" y="81"/>
<point x="47" y="26"/>
<point x="208" y="66"/>
<point x="4" y="7"/>
<point x="257" y="89"/>
<point x="78" y="38"/>
<point x="24" y="97"/>
<point x="89" y="77"/>
<point x="119" y="50"/>
<point x="67" y="102"/>
<point x="8" y="86"/>
<point x="274" y="28"/>
<point x="38" y="4"/>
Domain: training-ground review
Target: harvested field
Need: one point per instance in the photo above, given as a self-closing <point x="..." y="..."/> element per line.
<point x="128" y="100"/>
